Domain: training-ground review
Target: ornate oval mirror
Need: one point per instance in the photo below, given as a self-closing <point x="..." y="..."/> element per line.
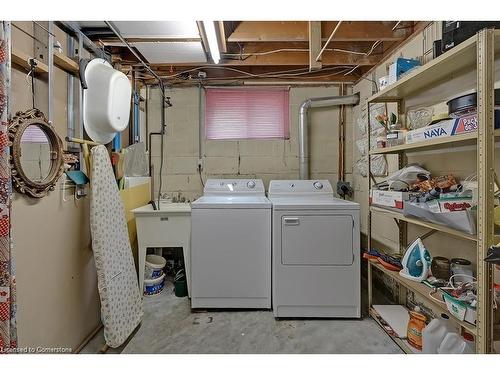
<point x="36" y="153"/>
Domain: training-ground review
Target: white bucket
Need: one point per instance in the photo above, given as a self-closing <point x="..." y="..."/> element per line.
<point x="154" y="266"/>
<point x="154" y="286"/>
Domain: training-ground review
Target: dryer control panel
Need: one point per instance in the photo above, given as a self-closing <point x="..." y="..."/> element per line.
<point x="300" y="187"/>
<point x="234" y="186"/>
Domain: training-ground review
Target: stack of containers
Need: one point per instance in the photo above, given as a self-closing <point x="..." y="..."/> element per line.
<point x="154" y="277"/>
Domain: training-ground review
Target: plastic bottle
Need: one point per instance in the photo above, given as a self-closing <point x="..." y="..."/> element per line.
<point x="453" y="343"/>
<point x="415" y="326"/>
<point x="434" y="333"/>
<point x="470" y="343"/>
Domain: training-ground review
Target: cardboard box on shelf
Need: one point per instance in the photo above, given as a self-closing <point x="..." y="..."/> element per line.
<point x="390" y="199"/>
<point x="448" y="128"/>
<point x="450" y="204"/>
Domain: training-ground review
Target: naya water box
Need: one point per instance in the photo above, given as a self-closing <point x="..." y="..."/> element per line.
<point x="448" y="128"/>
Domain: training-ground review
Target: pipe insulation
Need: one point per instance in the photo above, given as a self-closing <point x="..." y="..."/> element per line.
<point x="328" y="101"/>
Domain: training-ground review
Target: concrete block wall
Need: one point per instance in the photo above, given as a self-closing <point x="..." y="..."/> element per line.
<point x="266" y="159"/>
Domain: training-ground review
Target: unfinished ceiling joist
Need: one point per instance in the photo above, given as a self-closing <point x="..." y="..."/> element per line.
<point x="314" y="44"/>
<point x="297" y="31"/>
<point x="300" y="58"/>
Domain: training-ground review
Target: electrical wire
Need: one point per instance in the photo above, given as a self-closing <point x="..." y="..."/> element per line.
<point x="396" y="25"/>
<point x="450" y="285"/>
<point x="285" y="76"/>
<point x="283" y="73"/>
<point x="352" y="70"/>
<point x="31" y="74"/>
<point x="248" y="54"/>
<point x="329" y="39"/>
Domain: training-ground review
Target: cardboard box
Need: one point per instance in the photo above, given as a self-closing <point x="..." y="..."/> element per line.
<point x="389" y="199"/>
<point x="450" y="204"/>
<point x="446" y="128"/>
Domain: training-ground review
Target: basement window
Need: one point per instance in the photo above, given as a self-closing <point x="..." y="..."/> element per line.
<point x="247" y="113"/>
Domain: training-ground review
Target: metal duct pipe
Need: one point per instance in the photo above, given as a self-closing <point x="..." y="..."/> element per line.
<point x="328" y="101"/>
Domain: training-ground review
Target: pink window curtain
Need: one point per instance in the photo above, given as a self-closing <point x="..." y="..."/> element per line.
<point x="251" y="113"/>
<point x="8" y="332"/>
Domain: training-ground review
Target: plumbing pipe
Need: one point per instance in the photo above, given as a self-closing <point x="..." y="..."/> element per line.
<point x="342" y="115"/>
<point x="328" y="101"/>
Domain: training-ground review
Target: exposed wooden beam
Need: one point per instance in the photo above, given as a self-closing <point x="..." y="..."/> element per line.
<point x="300" y="58"/>
<point x="297" y="31"/>
<point x="253" y="73"/>
<point x="252" y="47"/>
<point x="365" y="31"/>
<point x="20" y="59"/>
<point x="65" y="63"/>
<point x="314" y="44"/>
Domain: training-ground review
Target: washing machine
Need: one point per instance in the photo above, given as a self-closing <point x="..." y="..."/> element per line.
<point x="316" y="256"/>
<point x="231" y="246"/>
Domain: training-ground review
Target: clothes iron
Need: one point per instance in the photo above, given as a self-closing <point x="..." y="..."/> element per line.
<point x="416" y="262"/>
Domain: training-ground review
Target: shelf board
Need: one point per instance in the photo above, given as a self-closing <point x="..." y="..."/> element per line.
<point x="402" y="343"/>
<point x="65" y="63"/>
<point x="423" y="290"/>
<point x="62" y="61"/>
<point x="451" y="65"/>
<point x="432" y="143"/>
<point x="398" y="215"/>
<point x="453" y="141"/>
<point x="20" y="58"/>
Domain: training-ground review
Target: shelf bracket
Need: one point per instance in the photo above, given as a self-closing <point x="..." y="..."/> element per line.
<point x="371" y="174"/>
<point x="428" y="234"/>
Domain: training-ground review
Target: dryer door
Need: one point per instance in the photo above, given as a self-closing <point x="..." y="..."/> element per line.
<point x="317" y="240"/>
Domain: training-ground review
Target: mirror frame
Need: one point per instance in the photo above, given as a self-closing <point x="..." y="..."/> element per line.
<point x="17" y="126"/>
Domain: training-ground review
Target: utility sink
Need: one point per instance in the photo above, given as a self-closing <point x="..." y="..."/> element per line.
<point x="170" y="226"/>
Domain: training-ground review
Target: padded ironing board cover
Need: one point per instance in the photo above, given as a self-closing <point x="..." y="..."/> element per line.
<point x="121" y="304"/>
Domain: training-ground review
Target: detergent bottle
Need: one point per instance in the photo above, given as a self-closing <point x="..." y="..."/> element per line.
<point x="415" y="326"/>
<point x="434" y="333"/>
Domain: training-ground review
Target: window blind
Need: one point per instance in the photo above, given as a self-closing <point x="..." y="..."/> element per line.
<point x="247" y="113"/>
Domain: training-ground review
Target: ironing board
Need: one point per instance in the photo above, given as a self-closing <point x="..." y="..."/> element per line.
<point x="121" y="305"/>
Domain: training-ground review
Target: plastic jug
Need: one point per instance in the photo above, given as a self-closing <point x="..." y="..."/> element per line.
<point x="434" y="333"/>
<point x="453" y="343"/>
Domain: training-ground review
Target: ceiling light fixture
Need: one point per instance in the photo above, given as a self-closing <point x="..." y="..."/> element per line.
<point x="213" y="43"/>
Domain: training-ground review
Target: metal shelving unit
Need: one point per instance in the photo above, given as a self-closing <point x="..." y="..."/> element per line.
<point x="470" y="65"/>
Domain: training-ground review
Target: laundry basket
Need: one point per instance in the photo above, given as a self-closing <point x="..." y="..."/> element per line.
<point x="154" y="266"/>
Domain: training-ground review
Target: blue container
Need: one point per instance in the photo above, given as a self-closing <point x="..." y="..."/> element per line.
<point x="154" y="286"/>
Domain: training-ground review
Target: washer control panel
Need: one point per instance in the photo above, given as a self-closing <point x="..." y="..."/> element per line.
<point x="234" y="186"/>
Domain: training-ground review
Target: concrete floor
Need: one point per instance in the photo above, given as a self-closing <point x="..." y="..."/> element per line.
<point x="169" y="326"/>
